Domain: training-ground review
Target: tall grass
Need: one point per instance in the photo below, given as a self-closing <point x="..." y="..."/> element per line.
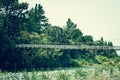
<point x="97" y="73"/>
<point x="63" y="76"/>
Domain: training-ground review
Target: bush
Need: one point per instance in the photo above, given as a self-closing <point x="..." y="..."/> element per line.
<point x="75" y="63"/>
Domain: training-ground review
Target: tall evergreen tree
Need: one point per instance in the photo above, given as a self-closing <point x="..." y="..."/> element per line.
<point x="71" y="32"/>
<point x="101" y="41"/>
<point x="70" y="27"/>
<point x="12" y="12"/>
<point x="37" y="19"/>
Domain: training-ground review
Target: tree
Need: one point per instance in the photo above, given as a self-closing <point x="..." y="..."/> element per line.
<point x="72" y="33"/>
<point x="6" y="50"/>
<point x="37" y="21"/>
<point x="12" y="12"/>
<point x="1" y="22"/>
<point x="101" y="41"/>
<point x="110" y="44"/>
<point x="88" y="40"/>
<point x="56" y="35"/>
<point x="69" y="28"/>
<point x="76" y="33"/>
<point x="11" y="16"/>
<point x="76" y="36"/>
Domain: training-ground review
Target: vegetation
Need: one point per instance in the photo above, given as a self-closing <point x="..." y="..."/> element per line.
<point x="18" y="25"/>
<point x="94" y="73"/>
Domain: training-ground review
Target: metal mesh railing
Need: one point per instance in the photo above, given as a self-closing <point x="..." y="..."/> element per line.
<point x="66" y="46"/>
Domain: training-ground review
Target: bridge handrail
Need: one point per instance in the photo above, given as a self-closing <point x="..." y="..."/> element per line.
<point x="66" y="46"/>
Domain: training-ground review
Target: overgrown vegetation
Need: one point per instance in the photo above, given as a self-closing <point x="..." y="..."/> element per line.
<point x="18" y="25"/>
<point x="97" y="72"/>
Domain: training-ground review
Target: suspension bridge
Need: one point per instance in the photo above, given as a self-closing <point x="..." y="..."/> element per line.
<point x="79" y="47"/>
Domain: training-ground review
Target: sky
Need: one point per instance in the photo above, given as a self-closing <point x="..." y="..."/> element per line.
<point x="99" y="18"/>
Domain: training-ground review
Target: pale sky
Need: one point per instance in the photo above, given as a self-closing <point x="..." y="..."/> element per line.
<point x="93" y="17"/>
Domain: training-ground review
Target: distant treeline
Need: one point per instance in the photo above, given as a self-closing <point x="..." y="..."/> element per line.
<point x="20" y="25"/>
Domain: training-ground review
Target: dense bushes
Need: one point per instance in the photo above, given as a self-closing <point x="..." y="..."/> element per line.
<point x="32" y="27"/>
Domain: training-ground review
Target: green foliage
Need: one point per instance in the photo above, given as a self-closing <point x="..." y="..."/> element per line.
<point x="26" y="37"/>
<point x="18" y="25"/>
<point x="56" y="35"/>
<point x="75" y="63"/>
<point x="79" y="73"/>
<point x="12" y="15"/>
<point x="63" y="76"/>
<point x="69" y="28"/>
<point x="1" y="22"/>
<point x="36" y="20"/>
<point x="88" y="40"/>
<point x="102" y="59"/>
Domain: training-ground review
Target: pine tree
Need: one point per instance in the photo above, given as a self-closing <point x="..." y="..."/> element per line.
<point x="37" y="21"/>
<point x="12" y="14"/>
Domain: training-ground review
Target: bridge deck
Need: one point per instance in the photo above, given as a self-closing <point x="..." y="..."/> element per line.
<point x="66" y="46"/>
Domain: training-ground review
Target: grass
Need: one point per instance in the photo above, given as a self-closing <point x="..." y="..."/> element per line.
<point x="97" y="73"/>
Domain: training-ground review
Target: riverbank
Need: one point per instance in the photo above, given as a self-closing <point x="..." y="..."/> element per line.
<point x="98" y="72"/>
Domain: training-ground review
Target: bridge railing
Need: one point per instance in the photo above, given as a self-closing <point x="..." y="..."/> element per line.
<point x="66" y="46"/>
